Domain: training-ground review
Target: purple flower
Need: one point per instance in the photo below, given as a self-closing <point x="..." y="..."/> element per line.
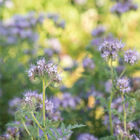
<point x="49" y="52"/>
<point x="56" y="101"/>
<point x="131" y="56"/>
<point x="88" y="63"/>
<point x="110" y="48"/>
<point x="97" y="41"/>
<point x="32" y="96"/>
<point x="44" y="69"/>
<point x="123" y="85"/>
<point x="122" y="7"/>
<point x="54" y="44"/>
<point x="98" y="31"/>
<point x="49" y="106"/>
<point x="86" y="136"/>
<point x="69" y="101"/>
<point x="56" y="116"/>
<point x="108" y="86"/>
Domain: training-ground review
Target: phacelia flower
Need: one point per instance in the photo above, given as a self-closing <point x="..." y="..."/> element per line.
<point x="86" y="136"/>
<point x="54" y="43"/>
<point x="44" y="69"/>
<point x="122" y="7"/>
<point x="49" y="106"/>
<point x="98" y="31"/>
<point x="131" y="56"/>
<point x="31" y="96"/>
<point x="123" y="85"/>
<point x="88" y="63"/>
<point x="108" y="86"/>
<point x="69" y="101"/>
<point x="110" y="48"/>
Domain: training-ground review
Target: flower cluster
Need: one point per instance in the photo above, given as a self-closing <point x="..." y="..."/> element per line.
<point x="122" y="7"/>
<point x="119" y="130"/>
<point x="67" y="101"/>
<point x="11" y="132"/>
<point x="123" y="85"/>
<point x="35" y="99"/>
<point x="110" y="48"/>
<point x="43" y="69"/>
<point x="20" y="27"/>
<point x="108" y="86"/>
<point x="88" y="63"/>
<point x="13" y="105"/>
<point x="100" y="30"/>
<point x="55" y="46"/>
<point x="131" y="56"/>
<point x="86" y="136"/>
<point x="32" y="97"/>
<point x="98" y="34"/>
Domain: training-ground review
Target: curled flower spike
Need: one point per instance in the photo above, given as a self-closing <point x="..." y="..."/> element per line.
<point x="42" y="69"/>
<point x="131" y="56"/>
<point x="123" y="85"/>
<point x="32" y="95"/>
<point x="109" y="49"/>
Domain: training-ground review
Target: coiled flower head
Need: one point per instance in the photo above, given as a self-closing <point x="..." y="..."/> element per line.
<point x="131" y="56"/>
<point x="43" y="69"/>
<point x="110" y="48"/>
<point x="123" y="85"/>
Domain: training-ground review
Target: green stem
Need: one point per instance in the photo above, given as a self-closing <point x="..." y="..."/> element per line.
<point x="110" y="101"/>
<point x="38" y="132"/>
<point x="122" y="73"/>
<point x="124" y="113"/>
<point x="43" y="88"/>
<point x="27" y="129"/>
<point x="36" y="121"/>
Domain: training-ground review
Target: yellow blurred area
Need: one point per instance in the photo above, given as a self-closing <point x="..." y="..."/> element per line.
<point x="79" y="24"/>
<point x="99" y="112"/>
<point x="91" y="101"/>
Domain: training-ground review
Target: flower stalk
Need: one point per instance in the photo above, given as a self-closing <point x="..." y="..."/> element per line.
<point x="124" y="113"/>
<point x="110" y="101"/>
<point x="44" y="88"/>
<point x="27" y="129"/>
<point x="36" y="121"/>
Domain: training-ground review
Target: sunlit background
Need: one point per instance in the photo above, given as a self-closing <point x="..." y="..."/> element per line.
<point x="62" y="33"/>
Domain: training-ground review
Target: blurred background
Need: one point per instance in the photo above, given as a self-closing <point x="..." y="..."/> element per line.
<point x="69" y="33"/>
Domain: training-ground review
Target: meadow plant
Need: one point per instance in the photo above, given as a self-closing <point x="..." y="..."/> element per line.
<point x="119" y="84"/>
<point x="37" y="116"/>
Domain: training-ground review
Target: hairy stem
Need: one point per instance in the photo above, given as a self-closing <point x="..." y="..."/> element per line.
<point x="43" y="88"/>
<point x="122" y="73"/>
<point x="36" y="121"/>
<point x="110" y="101"/>
<point x="27" y="129"/>
<point x="124" y="113"/>
<point x="110" y="114"/>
